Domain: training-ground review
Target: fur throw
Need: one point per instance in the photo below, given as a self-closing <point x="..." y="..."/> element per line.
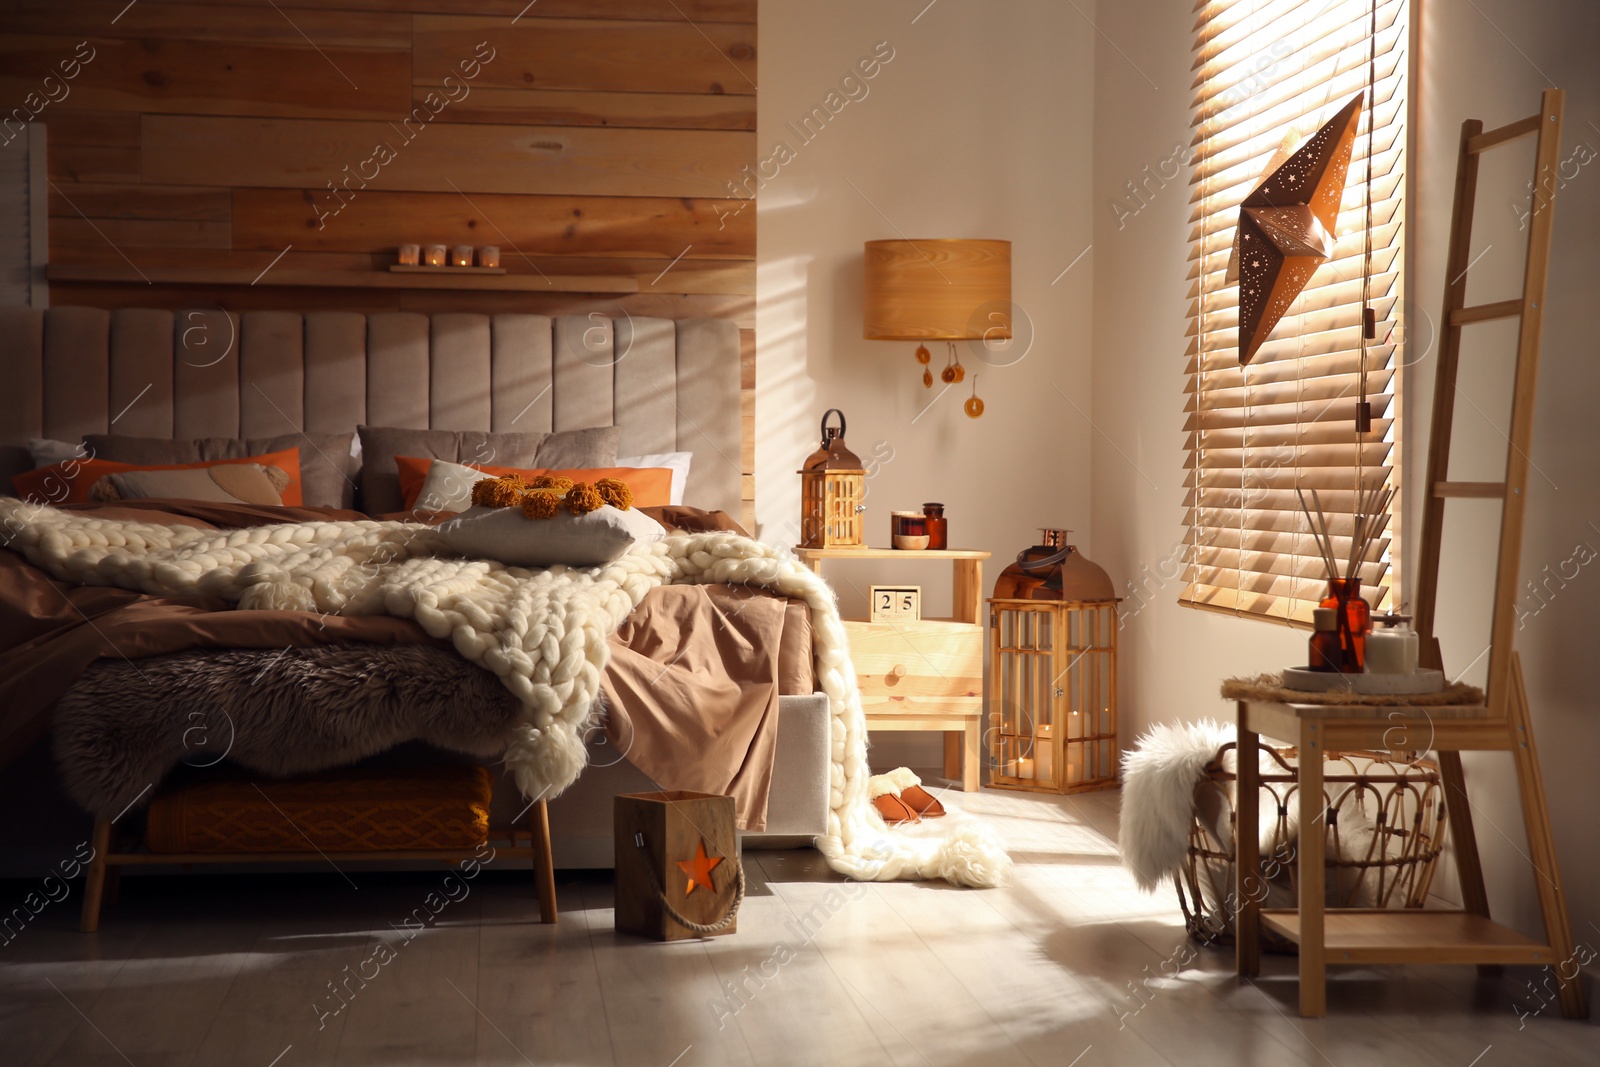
<point x="115" y="730"/>
<point x="541" y="632"/>
<point x="1158" y="793"/>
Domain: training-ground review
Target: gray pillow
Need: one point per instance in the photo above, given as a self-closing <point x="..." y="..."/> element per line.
<point x="506" y="535"/>
<point x="327" y="469"/>
<point x="380" y="478"/>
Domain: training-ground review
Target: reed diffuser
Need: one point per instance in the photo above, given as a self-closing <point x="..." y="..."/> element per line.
<point x="1353" y="615"/>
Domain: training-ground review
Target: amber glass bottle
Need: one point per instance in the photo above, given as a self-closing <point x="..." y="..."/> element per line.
<point x="938" y="530"/>
<point x="1325" y="653"/>
<point x="1357" y="621"/>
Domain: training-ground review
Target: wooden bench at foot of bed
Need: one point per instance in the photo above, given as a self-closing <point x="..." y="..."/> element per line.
<point x="351" y="816"/>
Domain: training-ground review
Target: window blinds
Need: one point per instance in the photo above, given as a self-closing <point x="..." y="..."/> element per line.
<point x="1267" y="74"/>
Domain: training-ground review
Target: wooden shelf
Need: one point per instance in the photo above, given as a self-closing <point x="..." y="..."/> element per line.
<point x="443" y="278"/>
<point x="1413" y="936"/>
<point x="890" y="553"/>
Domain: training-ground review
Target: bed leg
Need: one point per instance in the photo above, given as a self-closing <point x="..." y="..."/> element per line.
<point x="95" y="882"/>
<point x="544" y="867"/>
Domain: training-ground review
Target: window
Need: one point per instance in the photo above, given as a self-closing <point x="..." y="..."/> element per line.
<point x="1266" y="70"/>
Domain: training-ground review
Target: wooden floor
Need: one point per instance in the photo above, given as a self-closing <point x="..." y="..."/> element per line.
<point x="1068" y="966"/>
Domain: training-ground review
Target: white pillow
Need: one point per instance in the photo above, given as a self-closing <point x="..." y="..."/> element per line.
<point x="507" y="535"/>
<point x="677" y="462"/>
<point x="448" y="486"/>
<point x="47" y="453"/>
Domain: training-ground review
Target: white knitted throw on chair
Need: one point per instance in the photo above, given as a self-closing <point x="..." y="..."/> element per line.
<point x="542" y="632"/>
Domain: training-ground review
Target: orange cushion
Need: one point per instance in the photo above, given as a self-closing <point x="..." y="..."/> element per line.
<point x="652" y="486"/>
<point x="70" y="482"/>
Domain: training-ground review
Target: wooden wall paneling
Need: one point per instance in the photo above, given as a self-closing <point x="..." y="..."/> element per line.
<point x="662" y="10"/>
<point x="69" y="126"/>
<point x="93" y="163"/>
<point x="74" y="231"/>
<point x="637" y="226"/>
<point x="200" y="77"/>
<point x="124" y="200"/>
<point x="441" y="157"/>
<point x="329" y="25"/>
<point x="651" y="57"/>
<point x="568" y="107"/>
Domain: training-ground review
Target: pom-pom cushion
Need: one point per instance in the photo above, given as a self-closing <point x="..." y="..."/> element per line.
<point x="381" y="445"/>
<point x="438" y="485"/>
<point x="588" y="540"/>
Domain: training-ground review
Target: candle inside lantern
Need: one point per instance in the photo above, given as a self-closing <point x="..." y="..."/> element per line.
<point x="488" y="256"/>
<point x="1074" y="764"/>
<point x="1045" y="765"/>
<point x="410" y="255"/>
<point x="461" y="256"/>
<point x="433" y="255"/>
<point x="1025" y="767"/>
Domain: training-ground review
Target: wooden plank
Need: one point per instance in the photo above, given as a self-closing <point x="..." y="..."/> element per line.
<point x="809" y="554"/>
<point x="652" y="57"/>
<point x="564" y="107"/>
<point x="1414" y="936"/>
<point x="1470" y="490"/>
<point x="442" y="157"/>
<point x="127" y="201"/>
<point x="74" y="231"/>
<point x="529" y="225"/>
<point x="664" y="10"/>
<point x="72" y="127"/>
<point x="198" y="77"/>
<point x="691" y="276"/>
<point x="95" y="163"/>
<point x="329" y="26"/>
<point x="747" y="359"/>
<point x="1500" y="309"/>
<point x="278" y="276"/>
<point x="1511" y="131"/>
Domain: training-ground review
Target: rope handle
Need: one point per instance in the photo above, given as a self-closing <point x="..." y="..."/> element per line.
<point x="703" y="929"/>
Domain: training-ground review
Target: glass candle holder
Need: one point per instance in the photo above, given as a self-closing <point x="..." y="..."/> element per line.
<point x="461" y="256"/>
<point x="433" y="256"/>
<point x="488" y="256"/>
<point x="409" y="255"/>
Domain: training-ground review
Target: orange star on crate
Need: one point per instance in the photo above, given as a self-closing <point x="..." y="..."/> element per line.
<point x="1286" y="227"/>
<point x="699" y="869"/>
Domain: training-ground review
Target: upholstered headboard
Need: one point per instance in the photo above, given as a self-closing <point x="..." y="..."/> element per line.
<point x="668" y="386"/>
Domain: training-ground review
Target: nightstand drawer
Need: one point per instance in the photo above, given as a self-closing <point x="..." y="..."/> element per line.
<point x="918" y="667"/>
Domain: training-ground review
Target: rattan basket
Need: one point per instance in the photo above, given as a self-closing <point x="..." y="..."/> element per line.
<point x="1385" y="820"/>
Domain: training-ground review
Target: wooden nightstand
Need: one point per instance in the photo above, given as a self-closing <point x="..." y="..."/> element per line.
<point x="925" y="674"/>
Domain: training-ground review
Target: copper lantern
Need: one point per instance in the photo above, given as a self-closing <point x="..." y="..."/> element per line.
<point x="833" y="486"/>
<point x="1053" y="672"/>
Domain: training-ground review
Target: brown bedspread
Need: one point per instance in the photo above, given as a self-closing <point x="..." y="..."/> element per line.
<point x="693" y="683"/>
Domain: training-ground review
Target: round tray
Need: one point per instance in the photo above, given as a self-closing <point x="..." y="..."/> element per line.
<point x="1310" y="681"/>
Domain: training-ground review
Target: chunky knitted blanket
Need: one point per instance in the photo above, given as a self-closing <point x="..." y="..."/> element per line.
<point x="541" y="632"/>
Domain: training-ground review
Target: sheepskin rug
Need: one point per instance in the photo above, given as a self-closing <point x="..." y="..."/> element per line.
<point x="541" y="632"/>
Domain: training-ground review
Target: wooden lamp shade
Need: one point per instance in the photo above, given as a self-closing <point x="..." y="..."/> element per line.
<point x="937" y="290"/>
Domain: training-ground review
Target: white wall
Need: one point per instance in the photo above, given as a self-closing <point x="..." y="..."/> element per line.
<point x="979" y="126"/>
<point x="1174" y="657"/>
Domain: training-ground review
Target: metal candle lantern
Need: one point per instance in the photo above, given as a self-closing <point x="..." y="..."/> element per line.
<point x="1053" y="672"/>
<point x="833" y="484"/>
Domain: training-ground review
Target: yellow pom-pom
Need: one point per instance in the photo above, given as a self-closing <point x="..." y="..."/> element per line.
<point x="541" y="503"/>
<point x="498" y="492"/>
<point x="583" y="498"/>
<point x="558" y="482"/>
<point x="616" y="492"/>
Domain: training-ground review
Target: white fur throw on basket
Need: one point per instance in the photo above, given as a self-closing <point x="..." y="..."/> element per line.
<point x="541" y="632"/>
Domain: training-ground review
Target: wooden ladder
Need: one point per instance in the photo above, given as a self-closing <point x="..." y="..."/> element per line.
<point x="1507" y="694"/>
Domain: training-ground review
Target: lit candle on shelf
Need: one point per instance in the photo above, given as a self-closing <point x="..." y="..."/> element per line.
<point x="461" y="256"/>
<point x="433" y="255"/>
<point x="1025" y="767"/>
<point x="488" y="256"/>
<point x="410" y="255"/>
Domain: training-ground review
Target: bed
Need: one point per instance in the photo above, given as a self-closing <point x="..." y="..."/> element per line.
<point x="666" y="387"/>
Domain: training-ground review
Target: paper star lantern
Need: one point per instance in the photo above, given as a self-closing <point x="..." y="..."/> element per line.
<point x="1286" y="227"/>
<point x="699" y="869"/>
